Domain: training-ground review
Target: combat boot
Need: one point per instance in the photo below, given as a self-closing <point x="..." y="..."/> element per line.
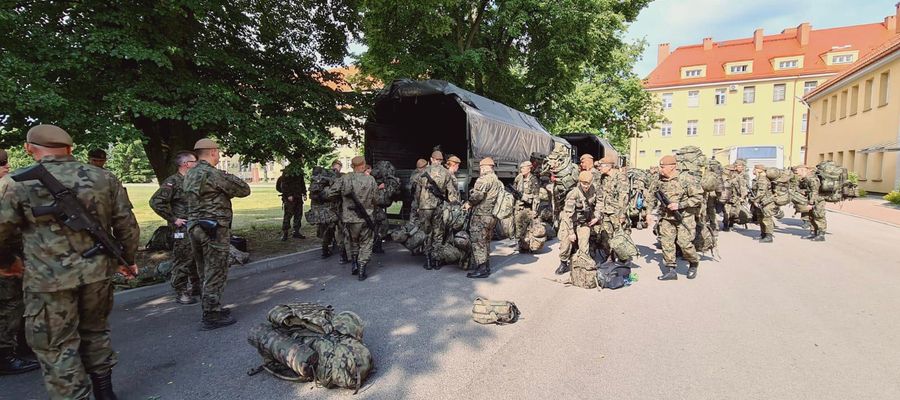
<point x="726" y="227"/>
<point x="670" y="275"/>
<point x="326" y="252"/>
<point x="376" y="248"/>
<point x="563" y="268"/>
<point x="102" y="386"/>
<point x="692" y="270"/>
<point x="216" y="319"/>
<point x="344" y="258"/>
<point x="185" y="298"/>
<point x="354" y="270"/>
<point x="819" y="237"/>
<point x="284" y="236"/>
<point x="812" y="235"/>
<point x="428" y="261"/>
<point x="766" y="239"/>
<point x="483" y="271"/>
<point x="298" y="235"/>
<point x="362" y="272"/>
<point x="12" y="365"/>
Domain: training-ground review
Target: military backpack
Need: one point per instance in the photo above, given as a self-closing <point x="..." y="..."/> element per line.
<point x="505" y="205"/>
<point x="780" y="180"/>
<point x="834" y="182"/>
<point x="498" y="312"/>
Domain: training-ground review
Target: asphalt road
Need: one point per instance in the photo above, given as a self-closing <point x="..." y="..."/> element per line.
<point x="789" y="320"/>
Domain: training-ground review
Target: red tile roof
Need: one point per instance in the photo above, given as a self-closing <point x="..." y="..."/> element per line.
<point x="885" y="49"/>
<point x="785" y="44"/>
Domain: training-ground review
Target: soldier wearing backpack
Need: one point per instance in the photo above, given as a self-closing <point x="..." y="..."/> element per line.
<point x="764" y="200"/>
<point x="526" y="184"/>
<point x="436" y="186"/>
<point x="351" y="188"/>
<point x="575" y="221"/>
<point x="612" y="201"/>
<point x="482" y="198"/>
<point x="808" y="186"/>
<point x="681" y="198"/>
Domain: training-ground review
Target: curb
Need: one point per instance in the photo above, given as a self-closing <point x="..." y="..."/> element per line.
<point x="862" y="217"/>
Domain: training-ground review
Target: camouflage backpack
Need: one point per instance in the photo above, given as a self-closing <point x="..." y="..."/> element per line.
<point x="690" y="159"/>
<point x="704" y="240"/>
<point x="505" y="205"/>
<point x="321" y="180"/>
<point x="834" y="183"/>
<point x="622" y="246"/>
<point x="162" y="239"/>
<point x="486" y="311"/>
<point x="384" y="172"/>
<point x="535" y="237"/>
<point x="781" y="181"/>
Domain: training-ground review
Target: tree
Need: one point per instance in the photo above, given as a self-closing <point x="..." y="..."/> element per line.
<point x="249" y="72"/>
<point x="534" y="55"/>
<point x="129" y="163"/>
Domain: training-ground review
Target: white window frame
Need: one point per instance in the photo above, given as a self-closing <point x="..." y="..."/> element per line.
<point x="809" y="88"/>
<point x="692" y="127"/>
<point x="738" y="69"/>
<point x="666" y="101"/>
<point x="752" y="92"/>
<point x="747" y="125"/>
<point x="665" y="130"/>
<point x="804" y="122"/>
<point x="842" y="59"/>
<point x="719" y="127"/>
<point x="721" y="96"/>
<point x="693" y="73"/>
<point x="778" y="124"/>
<point x="693" y="98"/>
<point x="788" y="64"/>
<point x="657" y="153"/>
<point x="775" y="91"/>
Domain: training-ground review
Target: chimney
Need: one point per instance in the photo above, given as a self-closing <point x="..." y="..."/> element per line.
<point x="758" y="39"/>
<point x="890" y="23"/>
<point x="707" y="43"/>
<point x="661" y="53"/>
<point x="803" y="34"/>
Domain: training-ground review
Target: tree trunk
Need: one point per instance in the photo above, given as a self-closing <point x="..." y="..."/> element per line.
<point x="165" y="138"/>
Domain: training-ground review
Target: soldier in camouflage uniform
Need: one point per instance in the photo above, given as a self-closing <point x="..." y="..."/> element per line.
<point x="68" y="297"/>
<point x="428" y="213"/>
<point x="815" y="203"/>
<point x="413" y="188"/>
<point x="209" y="192"/>
<point x="292" y="187"/>
<point x="764" y="200"/>
<point x="737" y="196"/>
<point x="612" y="202"/>
<point x="339" y="233"/>
<point x="388" y="190"/>
<point x="685" y="198"/>
<point x="578" y="211"/>
<point x="322" y="211"/>
<point x="586" y="162"/>
<point x="359" y="236"/>
<point x="169" y="202"/>
<point x="526" y="184"/>
<point x="12" y="305"/>
<point x="482" y="198"/>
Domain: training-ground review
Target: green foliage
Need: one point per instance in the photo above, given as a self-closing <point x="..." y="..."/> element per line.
<point x="893" y="197"/>
<point x="249" y="72"/>
<point x="18" y="158"/>
<point x="862" y="193"/>
<point x="129" y="162"/>
<point x="564" y="61"/>
<point x="853" y="177"/>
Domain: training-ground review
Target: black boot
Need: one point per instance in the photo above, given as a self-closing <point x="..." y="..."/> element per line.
<point x="670" y="275"/>
<point x="726" y="227"/>
<point x="766" y="239"/>
<point x="326" y="252"/>
<point x="376" y="248"/>
<point x="812" y="235"/>
<point x="692" y="270"/>
<point x="362" y="272"/>
<point x="428" y="261"/>
<point x="102" y="386"/>
<point x="298" y="235"/>
<point x="217" y="319"/>
<point x="563" y="268"/>
<point x="354" y="270"/>
<point x="820" y="237"/>
<point x="12" y="365"/>
<point x="436" y="264"/>
<point x="284" y="236"/>
<point x="344" y="258"/>
<point x="483" y="271"/>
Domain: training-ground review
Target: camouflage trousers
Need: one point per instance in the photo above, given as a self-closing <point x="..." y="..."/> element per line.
<point x="431" y="222"/>
<point x="609" y="225"/>
<point x="359" y="241"/>
<point x="582" y="237"/>
<point x="481" y="229"/>
<point x="766" y="222"/>
<point x="682" y="233"/>
<point x="380" y="217"/>
<point x="12" y="309"/>
<point x="524" y="217"/>
<point x="817" y="218"/>
<point x="184" y="268"/>
<point x="69" y="333"/>
<point x="326" y="232"/>
<point x="293" y="211"/>
<point x="211" y="257"/>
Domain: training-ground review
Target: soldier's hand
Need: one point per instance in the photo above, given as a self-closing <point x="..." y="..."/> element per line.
<point x="129" y="271"/>
<point x="593" y="222"/>
<point x="672" y="206"/>
<point x="466" y="206"/>
<point x="381" y="186"/>
<point x="15" y="270"/>
<point x="179" y="222"/>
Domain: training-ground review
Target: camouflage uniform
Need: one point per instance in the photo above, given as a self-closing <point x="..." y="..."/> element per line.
<point x="739" y="193"/>
<point x="612" y="203"/>
<point x="293" y="186"/>
<point x="578" y="210"/>
<point x="359" y="237"/>
<point x="384" y="175"/>
<point x="68" y="298"/>
<point x="764" y="200"/>
<point x="526" y="206"/>
<point x="414" y="189"/>
<point x="809" y="186"/>
<point x="482" y="198"/>
<point x="209" y="192"/>
<point x="323" y="212"/>
<point x="169" y="203"/>
<point x="429" y="215"/>
<point x="686" y="191"/>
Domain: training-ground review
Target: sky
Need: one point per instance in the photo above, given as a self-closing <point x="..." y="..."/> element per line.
<point x="686" y="22"/>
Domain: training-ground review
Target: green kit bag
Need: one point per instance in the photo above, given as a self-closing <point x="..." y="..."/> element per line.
<point x="498" y="312"/>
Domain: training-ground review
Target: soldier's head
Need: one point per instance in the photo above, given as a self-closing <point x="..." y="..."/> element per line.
<point x="525" y="168"/>
<point x="801" y="170"/>
<point x="606" y="164"/>
<point x="47" y="140"/>
<point x="668" y="166"/>
<point x="586" y="162"/>
<point x="453" y="163"/>
<point x="337" y="166"/>
<point x="185" y="160"/>
<point x="207" y="150"/>
<point x="585" y="178"/>
<point x="358" y="164"/>
<point x="97" y="157"/>
<point x="486" y="165"/>
<point x="4" y="163"/>
<point x="759" y="169"/>
<point x="368" y="170"/>
<point x="437" y="158"/>
<point x="421" y="164"/>
<point x="740" y="165"/>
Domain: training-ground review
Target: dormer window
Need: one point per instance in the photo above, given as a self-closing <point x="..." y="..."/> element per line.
<point x="738" y="69"/>
<point x="692" y="73"/>
<point x="788" y="64"/>
<point x="842" y="59"/>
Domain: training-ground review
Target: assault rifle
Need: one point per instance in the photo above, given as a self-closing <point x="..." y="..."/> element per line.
<point x="360" y="211"/>
<point x="434" y="188"/>
<point x="664" y="200"/>
<point x="68" y="210"/>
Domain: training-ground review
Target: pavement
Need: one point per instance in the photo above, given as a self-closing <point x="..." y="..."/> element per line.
<point x="871" y="207"/>
<point x="789" y="320"/>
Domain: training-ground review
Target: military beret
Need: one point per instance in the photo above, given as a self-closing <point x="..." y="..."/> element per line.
<point x="668" y="160"/>
<point x="357" y="161"/>
<point x="486" y="161"/>
<point x="524" y="164"/>
<point x="759" y="166"/>
<point x="421" y="163"/>
<point x="454" y="159"/>
<point x="608" y="160"/>
<point x="338" y="162"/>
<point x="585" y="176"/>
<point x="205" y="144"/>
<point x="437" y="155"/>
<point x="97" y="154"/>
<point x="4" y="158"/>
<point x="588" y="156"/>
<point x="48" y="136"/>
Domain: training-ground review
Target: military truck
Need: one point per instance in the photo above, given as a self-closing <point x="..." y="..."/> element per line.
<point x="589" y="143"/>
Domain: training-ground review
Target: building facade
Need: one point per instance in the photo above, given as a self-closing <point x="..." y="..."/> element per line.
<point x="747" y="93"/>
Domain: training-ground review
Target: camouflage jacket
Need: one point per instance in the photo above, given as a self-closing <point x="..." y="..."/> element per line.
<point x="209" y="193"/>
<point x="169" y="202"/>
<point x="446" y="185"/>
<point x="529" y="189"/>
<point x="682" y="189"/>
<point x="739" y="190"/>
<point x="579" y="207"/>
<point x="52" y="250"/>
<point x="363" y="186"/>
<point x="484" y="194"/>
<point x="809" y="189"/>
<point x="613" y="195"/>
<point x="597" y="181"/>
<point x="762" y="191"/>
<point x="291" y="186"/>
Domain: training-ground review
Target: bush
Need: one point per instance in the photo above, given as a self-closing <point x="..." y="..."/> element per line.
<point x="853" y="177"/>
<point x="893" y="197"/>
<point x="863" y="193"/>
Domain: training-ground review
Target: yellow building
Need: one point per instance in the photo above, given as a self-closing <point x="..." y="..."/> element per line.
<point x="856" y="119"/>
<point x="746" y="94"/>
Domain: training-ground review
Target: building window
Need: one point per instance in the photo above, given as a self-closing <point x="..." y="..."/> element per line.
<point x="854" y="99"/>
<point x="747" y="126"/>
<point x="738" y="69"/>
<point x="749" y="94"/>
<point x="692" y="73"/>
<point x="642" y="153"/>
<point x="716" y="151"/>
<point x="788" y="64"/>
<point x="719" y="126"/>
<point x="777" y="123"/>
<point x="778" y="94"/>
<point x="824" y="111"/>
<point x="666" y="129"/>
<point x="693" y="98"/>
<point x="692" y="127"/>
<point x="667" y="101"/>
<point x="809" y="87"/>
<point x="804" y="122"/>
<point x="867" y="97"/>
<point x="842" y="59"/>
<point x="834" y="109"/>
<point x="851" y="160"/>
<point x="863" y="170"/>
<point x="720" y="97"/>
<point x="883" y="88"/>
<point x="803" y="153"/>
<point x="657" y="153"/>
<point x="844" y="104"/>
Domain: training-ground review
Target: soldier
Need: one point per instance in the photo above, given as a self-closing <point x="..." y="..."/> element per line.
<point x="482" y="197"/>
<point x="764" y="201"/>
<point x="734" y="195"/>
<point x="68" y="297"/>
<point x="678" y="219"/>
<point x="526" y="184"/>
<point x="12" y="305"/>
<point x="612" y="202"/>
<point x="292" y="187"/>
<point x="337" y="166"/>
<point x="388" y="189"/>
<point x="413" y="187"/>
<point x="97" y="157"/>
<point x="359" y="234"/>
<point x="209" y="192"/>
<point x="587" y="164"/>
<point x="574" y="221"/>
<point x="809" y="188"/>
<point x="712" y="198"/>
<point x="435" y="187"/>
<point x="321" y="210"/>
<point x="169" y="202"/>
